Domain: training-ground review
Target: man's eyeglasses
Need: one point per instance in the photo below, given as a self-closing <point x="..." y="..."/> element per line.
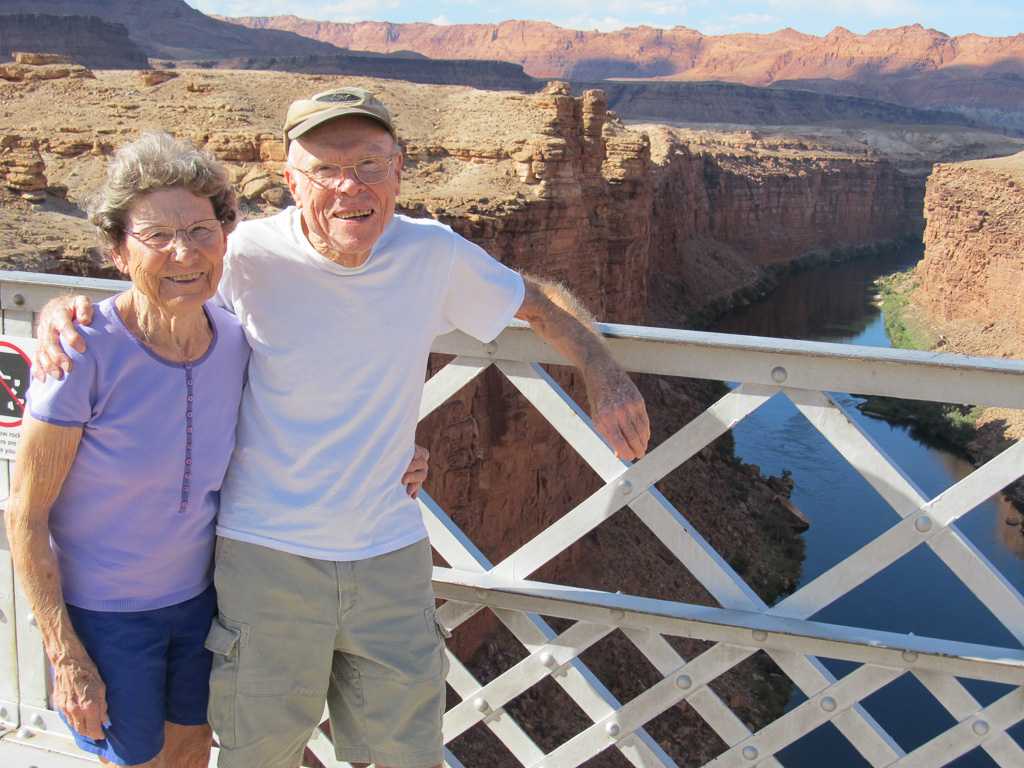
<point x="201" y="232"/>
<point x="372" y="170"/>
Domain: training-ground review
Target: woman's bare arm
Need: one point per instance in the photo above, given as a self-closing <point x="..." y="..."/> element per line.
<point x="45" y="455"/>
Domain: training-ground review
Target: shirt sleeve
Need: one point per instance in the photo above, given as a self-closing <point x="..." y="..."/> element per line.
<point x="223" y="297"/>
<point x="69" y="401"/>
<point x="483" y="294"/>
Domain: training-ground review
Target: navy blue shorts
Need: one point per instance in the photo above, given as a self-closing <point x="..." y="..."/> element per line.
<point x="156" y="670"/>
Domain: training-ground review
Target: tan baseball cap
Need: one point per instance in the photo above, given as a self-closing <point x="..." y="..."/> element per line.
<point x="306" y="114"/>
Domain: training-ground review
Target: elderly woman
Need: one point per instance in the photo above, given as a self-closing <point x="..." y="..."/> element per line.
<point x="120" y="463"/>
<point x="116" y="479"/>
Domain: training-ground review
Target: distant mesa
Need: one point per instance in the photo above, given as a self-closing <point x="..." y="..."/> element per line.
<point x="86" y="40"/>
<point x="931" y="78"/>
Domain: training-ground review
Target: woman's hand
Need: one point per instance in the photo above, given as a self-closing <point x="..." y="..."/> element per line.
<point x="417" y="471"/>
<point x="80" y="694"/>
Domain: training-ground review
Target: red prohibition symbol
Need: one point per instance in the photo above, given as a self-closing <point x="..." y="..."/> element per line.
<point x="14" y="384"/>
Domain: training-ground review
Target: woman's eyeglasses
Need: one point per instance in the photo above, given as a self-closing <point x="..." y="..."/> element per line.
<point x="201" y="232"/>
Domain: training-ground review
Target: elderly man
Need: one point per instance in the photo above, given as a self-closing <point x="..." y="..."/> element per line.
<point x="323" y="569"/>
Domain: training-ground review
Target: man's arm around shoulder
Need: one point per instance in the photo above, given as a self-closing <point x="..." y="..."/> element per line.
<point x="56" y="321"/>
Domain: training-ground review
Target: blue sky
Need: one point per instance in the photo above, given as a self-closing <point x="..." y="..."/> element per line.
<point x="996" y="18"/>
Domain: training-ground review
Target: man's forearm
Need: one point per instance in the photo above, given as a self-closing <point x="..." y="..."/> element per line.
<point x="616" y="406"/>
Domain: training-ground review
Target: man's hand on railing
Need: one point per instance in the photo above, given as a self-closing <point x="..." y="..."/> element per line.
<point x="619" y="413"/>
<point x="81" y="695"/>
<point x="53" y="322"/>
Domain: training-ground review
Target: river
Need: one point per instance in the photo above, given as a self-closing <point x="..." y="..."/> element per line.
<point x="918" y="593"/>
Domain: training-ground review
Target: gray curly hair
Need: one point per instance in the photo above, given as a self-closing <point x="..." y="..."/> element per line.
<point x="153" y="162"/>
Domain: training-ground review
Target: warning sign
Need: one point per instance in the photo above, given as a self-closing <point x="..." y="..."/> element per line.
<point x="15" y="361"/>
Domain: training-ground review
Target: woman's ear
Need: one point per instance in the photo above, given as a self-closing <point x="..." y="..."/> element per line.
<point x="120" y="260"/>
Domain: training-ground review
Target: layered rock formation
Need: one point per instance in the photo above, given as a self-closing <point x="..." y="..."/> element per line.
<point x="27" y="67"/>
<point x="88" y="40"/>
<point x="978" y="76"/>
<point x="973" y="267"/>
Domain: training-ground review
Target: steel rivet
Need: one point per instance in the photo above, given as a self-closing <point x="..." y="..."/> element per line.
<point x="24" y="733"/>
<point x="491" y="347"/>
<point x="32" y="620"/>
<point x="685" y="682"/>
<point x="548" y="659"/>
<point x="618" y="615"/>
<point x="828" y="704"/>
<point x="19" y="300"/>
<point x="612" y="729"/>
<point x="779" y="374"/>
<point x="750" y="753"/>
<point x="909" y="656"/>
<point x="980" y="727"/>
<point x="480" y="705"/>
<point x="37" y="720"/>
<point x="3" y="713"/>
<point x="481" y="594"/>
<point x="3" y="617"/>
<point x="625" y="487"/>
<point x="760" y="635"/>
<point x="923" y="524"/>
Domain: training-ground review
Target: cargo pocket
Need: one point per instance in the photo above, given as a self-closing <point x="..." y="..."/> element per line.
<point x="224" y="640"/>
<point x="443" y="633"/>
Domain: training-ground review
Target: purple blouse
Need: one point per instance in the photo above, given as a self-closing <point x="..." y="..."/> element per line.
<point x="133" y="525"/>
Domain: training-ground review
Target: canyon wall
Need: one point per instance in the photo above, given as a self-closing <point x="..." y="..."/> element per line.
<point x="973" y="267"/>
<point x="982" y="77"/>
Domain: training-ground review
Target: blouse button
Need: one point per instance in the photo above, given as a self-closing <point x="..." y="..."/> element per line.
<point x="190" y="398"/>
<point x="184" y="504"/>
<point x="189" y="414"/>
<point x="188" y="474"/>
<point x="188" y="461"/>
<point x="189" y="430"/>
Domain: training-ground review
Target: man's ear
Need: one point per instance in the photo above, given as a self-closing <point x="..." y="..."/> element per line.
<point x="292" y="179"/>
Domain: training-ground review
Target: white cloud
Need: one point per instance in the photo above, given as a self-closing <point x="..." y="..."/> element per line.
<point x="754" y="19"/>
<point x="441" y="21"/>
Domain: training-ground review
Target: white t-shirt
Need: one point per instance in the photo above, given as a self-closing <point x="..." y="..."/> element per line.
<point x="339" y="356"/>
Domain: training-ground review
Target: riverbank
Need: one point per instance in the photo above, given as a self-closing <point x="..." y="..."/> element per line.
<point x="910" y="327"/>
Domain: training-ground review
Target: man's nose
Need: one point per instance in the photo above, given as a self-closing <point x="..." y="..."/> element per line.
<point x="348" y="181"/>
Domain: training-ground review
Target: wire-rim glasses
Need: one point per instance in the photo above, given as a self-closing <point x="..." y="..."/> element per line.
<point x="202" y="232"/>
<point x="372" y="170"/>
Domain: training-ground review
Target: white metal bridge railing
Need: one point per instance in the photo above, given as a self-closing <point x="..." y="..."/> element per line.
<point x="738" y="627"/>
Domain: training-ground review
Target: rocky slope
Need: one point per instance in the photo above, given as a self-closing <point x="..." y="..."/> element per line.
<point x="978" y="76"/>
<point x="89" y="40"/>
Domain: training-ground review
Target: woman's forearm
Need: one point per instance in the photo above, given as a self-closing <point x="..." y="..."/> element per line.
<point x="44" y="458"/>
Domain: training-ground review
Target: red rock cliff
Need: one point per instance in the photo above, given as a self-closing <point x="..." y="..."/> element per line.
<point x="973" y="267"/>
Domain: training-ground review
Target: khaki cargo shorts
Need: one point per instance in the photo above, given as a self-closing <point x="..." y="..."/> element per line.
<point x="293" y="632"/>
